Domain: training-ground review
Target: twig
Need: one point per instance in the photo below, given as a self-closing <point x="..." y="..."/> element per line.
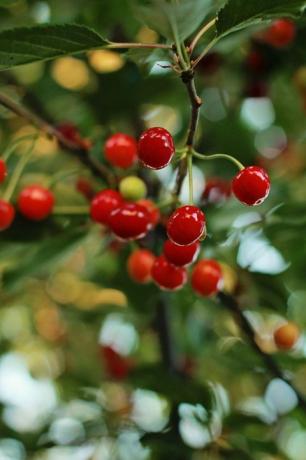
<point x="231" y="304"/>
<point x="196" y="102"/>
<point x="95" y="166"/>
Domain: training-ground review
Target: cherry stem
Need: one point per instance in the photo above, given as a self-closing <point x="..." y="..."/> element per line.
<point x="217" y="156"/>
<point x="18" y="172"/>
<point x="201" y="32"/>
<point x="231" y="304"/>
<point x="190" y="176"/>
<point x="91" y="163"/>
<point x="63" y="175"/>
<point x="71" y="210"/>
<point x="13" y="146"/>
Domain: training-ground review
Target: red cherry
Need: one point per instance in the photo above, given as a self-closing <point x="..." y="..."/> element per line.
<point x="152" y="209"/>
<point x="156" y="148"/>
<point x="3" y="170"/>
<point x="116" y="365"/>
<point x="167" y="276"/>
<point x="256" y="89"/>
<point x="84" y="187"/>
<point x="103" y="204"/>
<point x="210" y="63"/>
<point x="186" y="225"/>
<point x="216" y="190"/>
<point x="255" y="61"/>
<point x="206" y="278"/>
<point x="7" y="214"/>
<point x="121" y="150"/>
<point x="35" y="202"/>
<point x="281" y="33"/>
<point x="139" y="265"/>
<point x="181" y="255"/>
<point x="251" y="185"/>
<point x="130" y="221"/>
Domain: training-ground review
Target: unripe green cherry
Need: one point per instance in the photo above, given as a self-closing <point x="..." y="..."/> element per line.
<point x="132" y="188"/>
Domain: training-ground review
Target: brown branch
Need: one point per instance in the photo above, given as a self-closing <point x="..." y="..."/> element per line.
<point x="196" y="102"/>
<point x="98" y="169"/>
<point x="231" y="304"/>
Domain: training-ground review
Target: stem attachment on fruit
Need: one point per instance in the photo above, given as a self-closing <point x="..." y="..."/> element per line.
<point x="217" y="156"/>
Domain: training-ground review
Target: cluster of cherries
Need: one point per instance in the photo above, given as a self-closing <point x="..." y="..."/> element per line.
<point x="131" y="219"/>
<point x="186" y="226"/>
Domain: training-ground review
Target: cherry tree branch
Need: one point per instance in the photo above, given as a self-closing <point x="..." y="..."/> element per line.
<point x="230" y="303"/>
<point x="98" y="169"/>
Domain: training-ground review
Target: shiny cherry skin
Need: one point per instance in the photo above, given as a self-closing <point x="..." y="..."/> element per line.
<point x="216" y="190"/>
<point x="139" y="265"/>
<point x="121" y="150"/>
<point x="168" y="276"/>
<point x="156" y="148"/>
<point x="206" y="278"/>
<point x="116" y="366"/>
<point x="7" y="214"/>
<point x="103" y="204"/>
<point x="152" y="210"/>
<point x="130" y="221"/>
<point x="186" y="225"/>
<point x="281" y="33"/>
<point x="3" y="171"/>
<point x="286" y="336"/>
<point x="181" y="255"/>
<point x="35" y="202"/>
<point x="251" y="185"/>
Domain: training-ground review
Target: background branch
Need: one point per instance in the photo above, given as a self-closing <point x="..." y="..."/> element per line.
<point x="230" y="303"/>
<point x="98" y="169"/>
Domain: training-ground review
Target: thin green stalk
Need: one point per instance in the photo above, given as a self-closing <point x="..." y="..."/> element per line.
<point x="71" y="210"/>
<point x="217" y="156"/>
<point x="13" y="145"/>
<point x="190" y="177"/>
<point x="18" y="172"/>
<point x="63" y="175"/>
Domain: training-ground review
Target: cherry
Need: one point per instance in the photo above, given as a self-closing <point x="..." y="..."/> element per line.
<point x="3" y="170"/>
<point x="256" y="89"/>
<point x="186" y="225"/>
<point x="286" y="336"/>
<point x="152" y="210"/>
<point x="116" y="365"/>
<point x="281" y="33"/>
<point x="130" y="221"/>
<point x="103" y="204"/>
<point x="139" y="265"/>
<point x="7" y="214"/>
<point x="181" y="255"/>
<point x="156" y="148"/>
<point x="255" y="61"/>
<point x="251" y="185"/>
<point x="167" y="276"/>
<point x="132" y="188"/>
<point x="216" y="190"/>
<point x="84" y="187"/>
<point x="206" y="278"/>
<point x="210" y="63"/>
<point x="121" y="150"/>
<point x="35" y="202"/>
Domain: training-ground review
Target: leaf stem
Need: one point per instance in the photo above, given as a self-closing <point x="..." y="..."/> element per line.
<point x="201" y="32"/>
<point x="217" y="156"/>
<point x="113" y="45"/>
<point x="18" y="171"/>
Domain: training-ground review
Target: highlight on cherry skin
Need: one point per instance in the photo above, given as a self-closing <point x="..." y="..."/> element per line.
<point x="3" y="170"/>
<point x="251" y="185"/>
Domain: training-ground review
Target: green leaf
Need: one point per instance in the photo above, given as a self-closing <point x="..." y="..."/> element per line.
<point x="180" y="18"/>
<point x="25" y="45"/>
<point x="238" y="14"/>
<point x="41" y="256"/>
<point x="7" y="3"/>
